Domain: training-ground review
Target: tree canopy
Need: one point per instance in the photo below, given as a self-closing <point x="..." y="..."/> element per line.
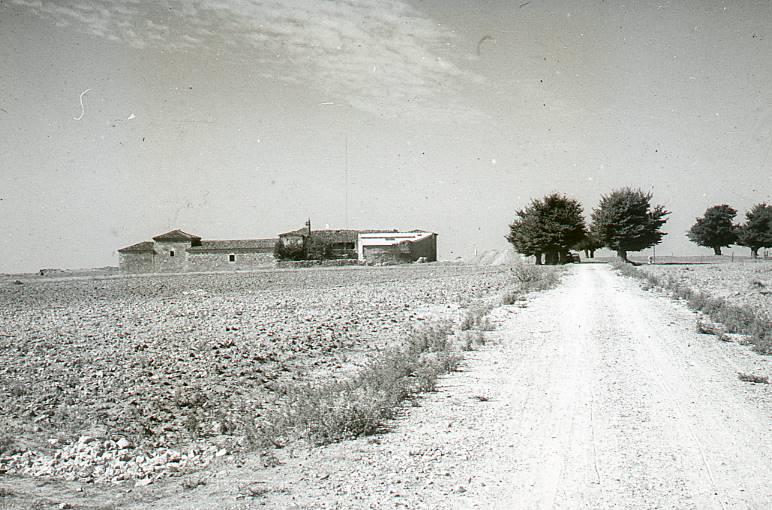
<point x="589" y="243"/>
<point x="756" y="232"/>
<point x="549" y="226"/>
<point x="715" y="229"/>
<point x="625" y="221"/>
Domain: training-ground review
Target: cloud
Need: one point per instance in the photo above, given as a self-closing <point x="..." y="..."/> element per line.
<point x="380" y="56"/>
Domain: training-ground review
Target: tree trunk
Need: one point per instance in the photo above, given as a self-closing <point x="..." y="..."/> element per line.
<point x="592" y="254"/>
<point x="622" y="254"/>
<point x="755" y="253"/>
<point x="551" y="258"/>
<point x="538" y="258"/>
<point x="587" y="254"/>
<point x="716" y="250"/>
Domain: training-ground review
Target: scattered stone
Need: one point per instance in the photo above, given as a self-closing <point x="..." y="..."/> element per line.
<point x="123" y="443"/>
<point x="132" y="359"/>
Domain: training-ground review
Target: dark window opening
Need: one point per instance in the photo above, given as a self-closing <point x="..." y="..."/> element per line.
<point x="231" y="258"/>
<point x="171" y="253"/>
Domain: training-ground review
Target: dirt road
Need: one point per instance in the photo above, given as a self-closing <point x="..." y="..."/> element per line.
<point x="596" y="395"/>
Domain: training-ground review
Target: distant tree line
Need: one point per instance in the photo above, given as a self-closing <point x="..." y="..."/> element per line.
<point x="625" y="220"/>
<point x="716" y="228"/>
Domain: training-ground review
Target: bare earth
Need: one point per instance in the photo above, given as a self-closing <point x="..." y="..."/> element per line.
<point x="598" y="394"/>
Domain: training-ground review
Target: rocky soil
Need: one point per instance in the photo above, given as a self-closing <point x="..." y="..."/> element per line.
<point x="596" y="394"/>
<point x="137" y="378"/>
<point x="747" y="283"/>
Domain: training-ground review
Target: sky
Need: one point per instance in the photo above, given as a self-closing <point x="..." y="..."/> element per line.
<point x="243" y="118"/>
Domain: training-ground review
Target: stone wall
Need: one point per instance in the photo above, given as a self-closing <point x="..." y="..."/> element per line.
<point x="164" y="262"/>
<point x="136" y="262"/>
<point x="220" y="261"/>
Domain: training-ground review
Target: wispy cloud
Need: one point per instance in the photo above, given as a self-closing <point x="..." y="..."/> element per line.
<point x="380" y="56"/>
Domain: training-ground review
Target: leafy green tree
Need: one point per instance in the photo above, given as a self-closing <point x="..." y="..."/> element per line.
<point x="756" y="232"/>
<point x="625" y="221"/>
<point x="715" y="229"/>
<point x="548" y="226"/>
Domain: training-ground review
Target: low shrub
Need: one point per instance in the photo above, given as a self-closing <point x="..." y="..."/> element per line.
<point x="534" y="278"/>
<point x="477" y="318"/>
<point x="470" y="339"/>
<point x="361" y="405"/>
<point x="734" y="319"/>
<point x="289" y="252"/>
<point x="510" y="297"/>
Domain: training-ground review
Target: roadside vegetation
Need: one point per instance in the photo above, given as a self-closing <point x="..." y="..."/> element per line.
<point x="364" y="403"/>
<point x="732" y="318"/>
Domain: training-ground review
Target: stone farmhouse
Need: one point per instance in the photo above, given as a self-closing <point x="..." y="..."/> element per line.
<point x="371" y="245"/>
<point x="178" y="251"/>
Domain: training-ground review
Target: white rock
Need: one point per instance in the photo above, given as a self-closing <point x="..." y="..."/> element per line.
<point x="123" y="443"/>
<point x="144" y="482"/>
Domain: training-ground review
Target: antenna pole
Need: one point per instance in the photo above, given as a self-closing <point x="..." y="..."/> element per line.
<point x="345" y="179"/>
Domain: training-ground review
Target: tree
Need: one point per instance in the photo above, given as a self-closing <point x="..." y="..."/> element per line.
<point x="548" y="226"/>
<point x="589" y="244"/>
<point x="289" y="251"/>
<point x="625" y="221"/>
<point x="756" y="232"/>
<point x="715" y="229"/>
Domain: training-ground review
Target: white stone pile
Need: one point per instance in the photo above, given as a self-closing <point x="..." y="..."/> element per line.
<point x="90" y="460"/>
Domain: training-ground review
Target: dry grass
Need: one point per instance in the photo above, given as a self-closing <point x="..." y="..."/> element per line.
<point x="471" y="339"/>
<point x="361" y="405"/>
<point x="734" y="319"/>
<point x="534" y="278"/>
<point x="708" y="329"/>
<point x="477" y="318"/>
<point x="757" y="379"/>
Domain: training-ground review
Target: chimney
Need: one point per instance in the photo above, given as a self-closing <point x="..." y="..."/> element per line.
<point x="308" y="226"/>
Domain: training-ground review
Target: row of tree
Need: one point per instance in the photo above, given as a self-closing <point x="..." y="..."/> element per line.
<point x="625" y="221"/>
<point x="717" y="229"/>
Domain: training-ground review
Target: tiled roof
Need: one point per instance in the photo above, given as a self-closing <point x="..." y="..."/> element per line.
<point x="235" y="245"/>
<point x="176" y="235"/>
<point x="144" y="246"/>
<point x="293" y="233"/>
